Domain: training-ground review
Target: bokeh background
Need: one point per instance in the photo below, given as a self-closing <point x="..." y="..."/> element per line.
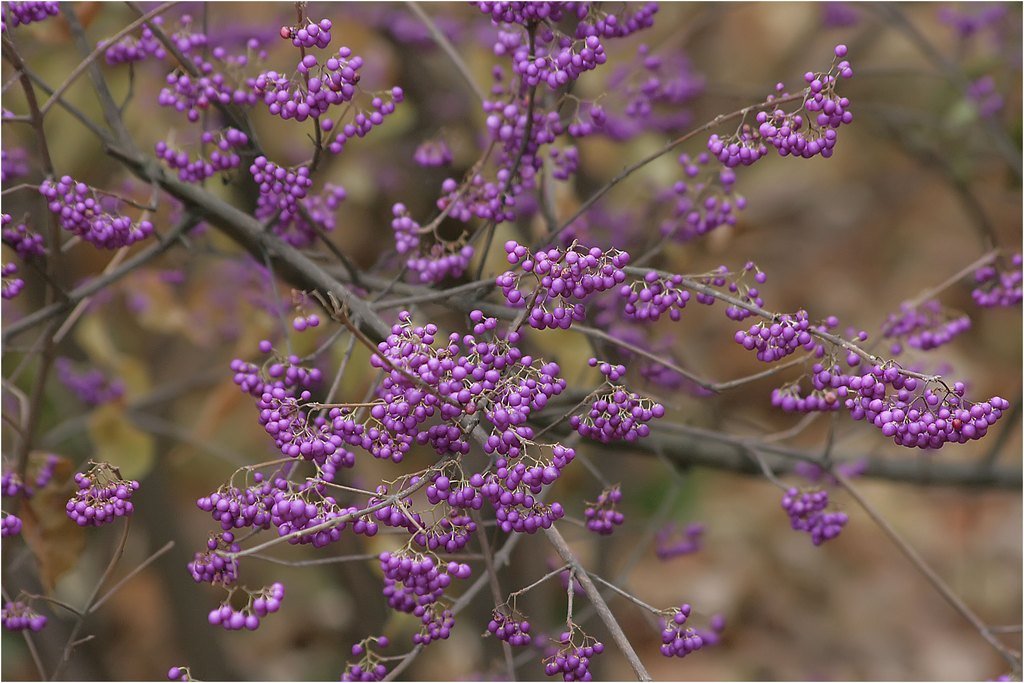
<point x="894" y="212"/>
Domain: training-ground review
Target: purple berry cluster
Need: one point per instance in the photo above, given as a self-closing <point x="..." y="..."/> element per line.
<point x="506" y="627"/>
<point x="191" y="95"/>
<point x="969" y="23"/>
<point x="808" y="131"/>
<point x="670" y="541"/>
<point x="280" y="189"/>
<point x="677" y="640"/>
<point x="223" y="158"/>
<point x="983" y="94"/>
<point x="735" y="284"/>
<point x="655" y="90"/>
<point x="924" y="326"/>
<point x="17" y="616"/>
<point x="313" y="34"/>
<point x="370" y="666"/>
<point x="21" y="239"/>
<point x="433" y="153"/>
<point x="654" y="295"/>
<point x="914" y="414"/>
<point x="211" y="567"/>
<point x="320" y="86"/>
<point x="11" y="286"/>
<point x="11" y="486"/>
<point x="79" y="211"/>
<point x="277" y="373"/>
<point x="617" y="414"/>
<point x="775" y="340"/>
<point x="433" y="263"/>
<point x="564" y="279"/>
<point x="807" y="512"/>
<point x="414" y="583"/>
<point x="10" y="525"/>
<point x="131" y="49"/>
<point x="572" y="660"/>
<point x="259" y="604"/>
<point x="704" y="200"/>
<point x="998" y="286"/>
<point x="602" y="516"/>
<point x="102" y="496"/>
<point x="20" y="13"/>
<point x="13" y="163"/>
<point x="91" y="386"/>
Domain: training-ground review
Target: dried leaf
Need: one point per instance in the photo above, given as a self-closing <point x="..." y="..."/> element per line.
<point x="120" y="443"/>
<point x="55" y="540"/>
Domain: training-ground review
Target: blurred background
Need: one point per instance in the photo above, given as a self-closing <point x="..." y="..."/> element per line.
<point x="924" y="179"/>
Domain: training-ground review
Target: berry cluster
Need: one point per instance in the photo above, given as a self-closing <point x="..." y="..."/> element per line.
<point x="91" y="386"/>
<point x="320" y="86"/>
<point x="17" y="616"/>
<point x="602" y="516"/>
<point x="618" y="415"/>
<point x="21" y="239"/>
<point x="13" y="164"/>
<point x="79" y="211"/>
<point x="999" y="287"/>
<point x="11" y="484"/>
<point x="382" y="105"/>
<point x="672" y="542"/>
<point x="278" y="373"/>
<point x="983" y="94"/>
<point x="259" y="605"/>
<point x="131" y="49"/>
<point x="222" y="158"/>
<point x="806" y="510"/>
<point x="211" y="567"/>
<point x="433" y="153"/>
<point x="572" y="660"/>
<point x="449" y="534"/>
<point x="507" y="628"/>
<point x="655" y="90"/>
<point x="11" y="286"/>
<point x="676" y="639"/>
<point x="704" y="200"/>
<point x="191" y="95"/>
<point x="775" y="340"/>
<point x="916" y="415"/>
<point x="564" y="278"/>
<point x="10" y="525"/>
<point x="968" y="23"/>
<point x="435" y="263"/>
<point x="313" y="34"/>
<point x="280" y="189"/>
<point x="28" y="12"/>
<point x="721" y="278"/>
<point x="369" y="667"/>
<point x="102" y="496"/>
<point x="303" y="322"/>
<point x="807" y="132"/>
<point x="648" y="299"/>
<point x="924" y="326"/>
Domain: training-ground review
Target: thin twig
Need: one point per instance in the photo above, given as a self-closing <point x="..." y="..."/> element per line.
<point x="80" y="622"/>
<point x="165" y="548"/>
<point x="562" y="548"/>
<point x="933" y="578"/>
<point x="442" y="41"/>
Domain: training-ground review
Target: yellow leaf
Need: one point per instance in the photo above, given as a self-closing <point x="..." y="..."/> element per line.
<point x="119" y="442"/>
